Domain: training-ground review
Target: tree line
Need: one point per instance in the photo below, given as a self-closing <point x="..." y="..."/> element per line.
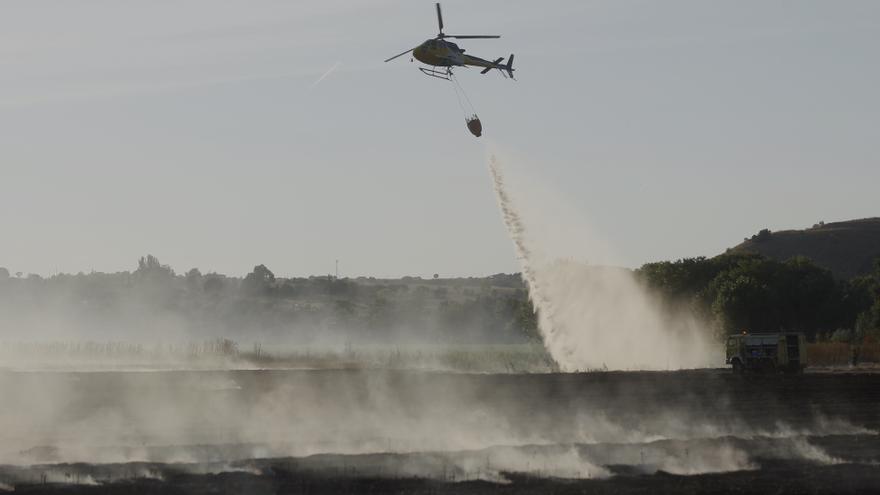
<point x="743" y="291"/>
<point x="307" y="310"/>
<point x="732" y="292"/>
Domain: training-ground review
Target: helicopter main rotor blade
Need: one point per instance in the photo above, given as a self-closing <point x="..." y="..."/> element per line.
<point x="400" y="54"/>
<point x="471" y="36"/>
<point x="439" y="17"/>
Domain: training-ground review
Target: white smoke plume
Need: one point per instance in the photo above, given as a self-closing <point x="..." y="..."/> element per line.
<point x="590" y="316"/>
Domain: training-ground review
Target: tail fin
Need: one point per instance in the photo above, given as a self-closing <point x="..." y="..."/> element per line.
<point x="509" y="66"/>
<point x="496" y="62"/>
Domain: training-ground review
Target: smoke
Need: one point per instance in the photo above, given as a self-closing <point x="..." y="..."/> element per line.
<point x="152" y="315"/>
<point x="801" y="448"/>
<point x="556" y="462"/>
<point x="222" y="416"/>
<point x="591" y="316"/>
<point x="96" y="427"/>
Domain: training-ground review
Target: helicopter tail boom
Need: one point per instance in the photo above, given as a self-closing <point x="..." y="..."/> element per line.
<point x="496" y="64"/>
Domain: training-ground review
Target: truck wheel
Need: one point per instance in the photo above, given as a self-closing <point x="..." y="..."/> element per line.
<point x="737" y="367"/>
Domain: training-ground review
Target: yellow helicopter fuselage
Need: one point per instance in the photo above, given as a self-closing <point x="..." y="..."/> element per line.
<point x="441" y="53"/>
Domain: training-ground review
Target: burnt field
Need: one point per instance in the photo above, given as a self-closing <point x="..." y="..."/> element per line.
<point x="422" y="432"/>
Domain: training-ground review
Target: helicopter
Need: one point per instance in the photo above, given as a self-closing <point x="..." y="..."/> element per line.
<point x="437" y="52"/>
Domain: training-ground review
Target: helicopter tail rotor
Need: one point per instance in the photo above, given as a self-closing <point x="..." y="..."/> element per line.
<point x="509" y="66"/>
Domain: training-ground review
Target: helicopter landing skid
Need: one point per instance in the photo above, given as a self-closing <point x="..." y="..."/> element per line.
<point x="439" y="74"/>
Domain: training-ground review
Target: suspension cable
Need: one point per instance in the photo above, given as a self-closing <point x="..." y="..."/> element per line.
<point x="470" y="105"/>
<point x="468" y="109"/>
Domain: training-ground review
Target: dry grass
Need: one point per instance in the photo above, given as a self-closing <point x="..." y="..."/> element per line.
<point x="225" y="353"/>
<point x="840" y="354"/>
<point x="829" y="354"/>
<point x="869" y="353"/>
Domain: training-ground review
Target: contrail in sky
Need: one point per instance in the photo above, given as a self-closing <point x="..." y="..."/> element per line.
<point x="324" y="75"/>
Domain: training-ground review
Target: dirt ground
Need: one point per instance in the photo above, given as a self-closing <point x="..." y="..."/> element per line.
<point x="701" y="431"/>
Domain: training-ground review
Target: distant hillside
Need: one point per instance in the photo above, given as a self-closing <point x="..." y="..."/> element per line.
<point x="847" y="248"/>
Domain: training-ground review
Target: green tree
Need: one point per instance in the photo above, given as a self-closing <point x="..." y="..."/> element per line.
<point x="762" y="235"/>
<point x="154" y="283"/>
<point x="749" y="291"/>
<point x="213" y="284"/>
<point x="867" y="327"/>
<point x="742" y="301"/>
<point x="150" y="267"/>
<point x="194" y="279"/>
<point x="260" y="280"/>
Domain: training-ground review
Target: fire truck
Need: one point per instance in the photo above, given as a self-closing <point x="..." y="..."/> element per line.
<point x="767" y="352"/>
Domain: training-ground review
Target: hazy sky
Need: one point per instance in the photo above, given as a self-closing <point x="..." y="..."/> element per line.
<point x="223" y="134"/>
